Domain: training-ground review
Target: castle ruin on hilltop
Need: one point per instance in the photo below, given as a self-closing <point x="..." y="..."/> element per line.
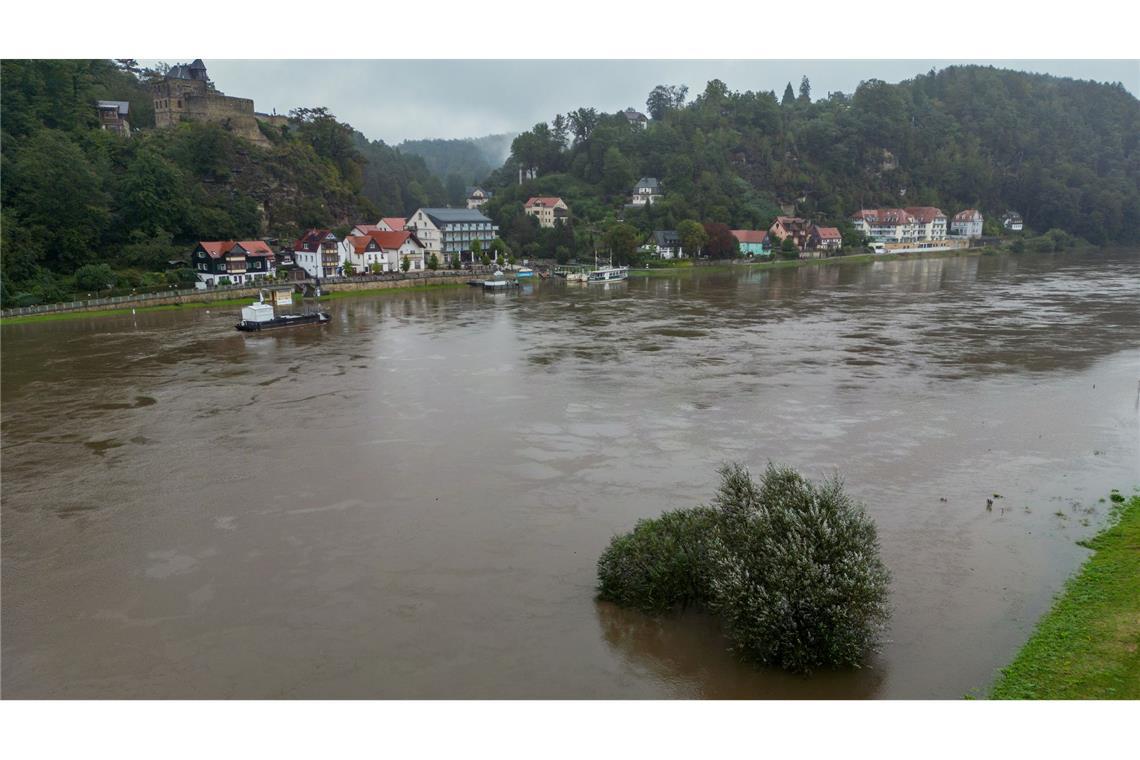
<point x="186" y="93"/>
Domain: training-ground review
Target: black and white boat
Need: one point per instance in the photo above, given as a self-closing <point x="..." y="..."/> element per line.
<point x="260" y="315"/>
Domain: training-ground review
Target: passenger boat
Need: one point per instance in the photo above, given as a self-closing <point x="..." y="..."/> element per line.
<point x="523" y="272"/>
<point x="260" y="315"/>
<point x="608" y="274"/>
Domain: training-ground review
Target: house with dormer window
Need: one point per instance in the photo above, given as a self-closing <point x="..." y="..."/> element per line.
<point x="647" y="190"/>
<point x="318" y="253"/>
<point x="232" y="262"/>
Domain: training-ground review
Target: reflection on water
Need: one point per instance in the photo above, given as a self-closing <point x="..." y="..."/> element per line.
<point x="409" y="501"/>
<point x="688" y="652"/>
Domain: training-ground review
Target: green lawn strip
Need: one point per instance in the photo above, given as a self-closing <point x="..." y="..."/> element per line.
<point x="62" y="315"/>
<point x="1088" y="645"/>
<point x="331" y="295"/>
<point x="858" y="258"/>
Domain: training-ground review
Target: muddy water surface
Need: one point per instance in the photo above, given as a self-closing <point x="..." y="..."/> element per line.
<point x="409" y="502"/>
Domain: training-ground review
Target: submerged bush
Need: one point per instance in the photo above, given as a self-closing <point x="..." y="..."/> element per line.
<point x="791" y="568"/>
<point x="661" y="563"/>
<point x="798" y="582"/>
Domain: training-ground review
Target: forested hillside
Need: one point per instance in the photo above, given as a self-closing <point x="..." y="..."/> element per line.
<point x="460" y="163"/>
<point x="75" y="195"/>
<point x="1064" y="153"/>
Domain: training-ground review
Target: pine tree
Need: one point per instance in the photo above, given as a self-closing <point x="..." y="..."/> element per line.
<point x="789" y="96"/>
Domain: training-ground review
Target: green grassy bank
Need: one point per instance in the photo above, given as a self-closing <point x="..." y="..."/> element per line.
<point x="65" y="315"/>
<point x="1088" y="645"/>
<point x="858" y="258"/>
<point x="330" y="296"/>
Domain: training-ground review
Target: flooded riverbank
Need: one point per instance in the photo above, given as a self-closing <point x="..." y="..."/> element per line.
<point x="410" y="501"/>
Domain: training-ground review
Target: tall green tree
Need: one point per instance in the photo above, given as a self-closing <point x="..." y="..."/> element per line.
<point x="693" y="237"/>
<point x="789" y="96"/>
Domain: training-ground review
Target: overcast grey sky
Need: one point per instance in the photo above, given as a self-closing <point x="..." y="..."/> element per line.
<point x="396" y="100"/>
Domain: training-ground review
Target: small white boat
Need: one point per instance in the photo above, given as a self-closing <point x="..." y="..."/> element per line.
<point x="523" y="273"/>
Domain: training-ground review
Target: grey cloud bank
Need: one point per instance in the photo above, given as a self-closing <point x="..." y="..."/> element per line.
<point x="395" y="100"/>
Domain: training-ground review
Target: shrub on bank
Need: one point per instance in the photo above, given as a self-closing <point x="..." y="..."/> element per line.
<point x="791" y="568"/>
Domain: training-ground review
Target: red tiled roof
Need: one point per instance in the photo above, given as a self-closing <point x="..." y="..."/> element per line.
<point x="366" y="228"/>
<point x="828" y="233"/>
<point x="750" y="236"/>
<point x="391" y="241"/>
<point x="892" y="215"/>
<point x="395" y="222"/>
<point x="542" y="200"/>
<point x="360" y="243"/>
<point x="256" y="247"/>
<point x="216" y="248"/>
<point x="969" y="215"/>
<point x="925" y="214"/>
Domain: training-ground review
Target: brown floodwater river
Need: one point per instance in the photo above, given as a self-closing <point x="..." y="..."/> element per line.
<point x="409" y="502"/>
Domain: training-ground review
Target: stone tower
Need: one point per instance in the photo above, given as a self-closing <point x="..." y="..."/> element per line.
<point x="186" y="94"/>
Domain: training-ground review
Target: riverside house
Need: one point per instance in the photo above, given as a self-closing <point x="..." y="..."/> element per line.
<point x="824" y="241"/>
<point x="318" y="253"/>
<point x="667" y="244"/>
<point x="232" y="262"/>
<point x="395" y="246"/>
<point x="967" y="224"/>
<point x="450" y="231"/>
<point x="790" y="227"/>
<point x="752" y="242"/>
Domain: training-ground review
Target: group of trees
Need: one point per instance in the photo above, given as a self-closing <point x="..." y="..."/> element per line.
<point x="1064" y="153"/>
<point x="74" y="195"/>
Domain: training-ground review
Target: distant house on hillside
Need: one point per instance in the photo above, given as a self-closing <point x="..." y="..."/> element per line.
<point x="647" y="190"/>
<point x="1012" y="221"/>
<point x="667" y="244"/>
<point x="477" y="196"/>
<point x="636" y="118"/>
<point x="113" y="116"/>
<point x="547" y="210"/>
<point x="967" y="224"/>
<point x="752" y="242"/>
<point x="238" y="261"/>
